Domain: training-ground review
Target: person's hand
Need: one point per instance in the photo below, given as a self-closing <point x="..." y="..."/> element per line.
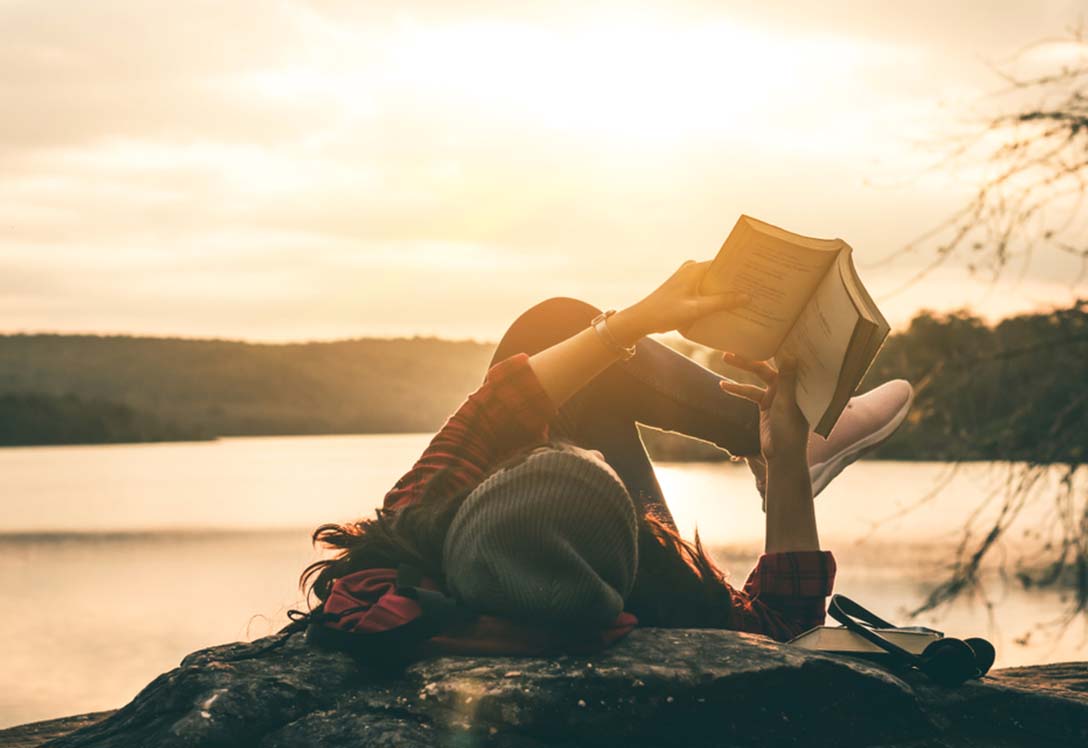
<point x="675" y="305"/>
<point x="783" y="439"/>
<point x="783" y="430"/>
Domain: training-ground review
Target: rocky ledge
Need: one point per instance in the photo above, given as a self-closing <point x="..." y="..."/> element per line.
<point x="656" y="688"/>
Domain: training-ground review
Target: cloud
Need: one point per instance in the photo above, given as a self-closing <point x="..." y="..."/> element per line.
<point x="316" y="168"/>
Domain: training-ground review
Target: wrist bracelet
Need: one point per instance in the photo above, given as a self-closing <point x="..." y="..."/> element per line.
<point x="600" y="325"/>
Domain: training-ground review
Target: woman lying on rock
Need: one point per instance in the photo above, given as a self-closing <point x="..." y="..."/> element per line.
<point x="533" y="522"/>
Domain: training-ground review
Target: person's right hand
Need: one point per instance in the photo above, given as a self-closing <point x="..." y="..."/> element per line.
<point x="783" y="430"/>
<point x="675" y="305"/>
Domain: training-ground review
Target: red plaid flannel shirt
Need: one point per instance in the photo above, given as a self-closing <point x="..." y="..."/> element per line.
<point x="784" y="594"/>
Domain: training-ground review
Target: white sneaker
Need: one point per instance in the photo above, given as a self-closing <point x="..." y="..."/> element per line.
<point x="867" y="422"/>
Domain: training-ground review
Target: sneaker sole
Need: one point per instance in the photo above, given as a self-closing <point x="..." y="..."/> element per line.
<point x="824" y="472"/>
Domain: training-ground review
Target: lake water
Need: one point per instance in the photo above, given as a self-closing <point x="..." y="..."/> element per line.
<point x="116" y="561"/>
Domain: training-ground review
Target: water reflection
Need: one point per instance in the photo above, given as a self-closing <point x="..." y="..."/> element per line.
<point x="102" y="555"/>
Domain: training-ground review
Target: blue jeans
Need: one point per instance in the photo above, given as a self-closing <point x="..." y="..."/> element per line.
<point x="658" y="387"/>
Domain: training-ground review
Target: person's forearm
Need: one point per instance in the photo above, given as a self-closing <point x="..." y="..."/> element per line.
<point x="569" y="365"/>
<point x="676" y="304"/>
<point x="791" y="514"/>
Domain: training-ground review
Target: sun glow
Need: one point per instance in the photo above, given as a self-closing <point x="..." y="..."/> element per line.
<point x="493" y="153"/>
<point x="654" y="83"/>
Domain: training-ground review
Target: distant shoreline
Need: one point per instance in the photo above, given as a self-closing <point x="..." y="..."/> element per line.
<point x="663" y="447"/>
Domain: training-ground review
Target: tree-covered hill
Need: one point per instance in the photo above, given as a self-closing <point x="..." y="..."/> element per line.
<point x="1012" y="391"/>
<point x="1017" y="390"/>
<point x="231" y="388"/>
<point x="67" y="419"/>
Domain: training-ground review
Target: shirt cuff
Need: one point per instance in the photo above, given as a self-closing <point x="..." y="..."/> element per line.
<point x="517" y="389"/>
<point x="793" y="574"/>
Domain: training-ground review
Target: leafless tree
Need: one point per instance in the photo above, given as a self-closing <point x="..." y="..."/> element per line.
<point x="1034" y="153"/>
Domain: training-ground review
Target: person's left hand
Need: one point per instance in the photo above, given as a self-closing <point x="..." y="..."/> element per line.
<point x="783" y="430"/>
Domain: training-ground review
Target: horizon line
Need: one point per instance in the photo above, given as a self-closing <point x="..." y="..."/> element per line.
<point x="988" y="320"/>
<point x="241" y="340"/>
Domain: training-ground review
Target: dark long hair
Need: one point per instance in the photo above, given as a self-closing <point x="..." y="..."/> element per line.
<point x="677" y="585"/>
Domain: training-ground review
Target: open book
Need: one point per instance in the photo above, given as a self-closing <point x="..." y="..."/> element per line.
<point x="807" y="301"/>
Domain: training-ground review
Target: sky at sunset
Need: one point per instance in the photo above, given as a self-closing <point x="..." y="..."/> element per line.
<point x="297" y="170"/>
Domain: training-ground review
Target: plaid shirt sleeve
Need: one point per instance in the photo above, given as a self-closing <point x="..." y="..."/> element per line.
<point x="785" y="594"/>
<point x="508" y="412"/>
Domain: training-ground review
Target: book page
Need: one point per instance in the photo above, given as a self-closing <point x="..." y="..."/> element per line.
<point x="841" y="639"/>
<point x="778" y="275"/>
<point x="819" y="341"/>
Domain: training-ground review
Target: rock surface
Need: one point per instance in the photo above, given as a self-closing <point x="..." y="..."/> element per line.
<point x="36" y="733"/>
<point x="657" y="687"/>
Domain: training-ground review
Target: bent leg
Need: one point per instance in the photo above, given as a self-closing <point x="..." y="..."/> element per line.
<point x="658" y="387"/>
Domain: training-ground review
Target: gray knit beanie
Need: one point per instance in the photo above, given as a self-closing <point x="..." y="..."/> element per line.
<point x="551" y="540"/>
